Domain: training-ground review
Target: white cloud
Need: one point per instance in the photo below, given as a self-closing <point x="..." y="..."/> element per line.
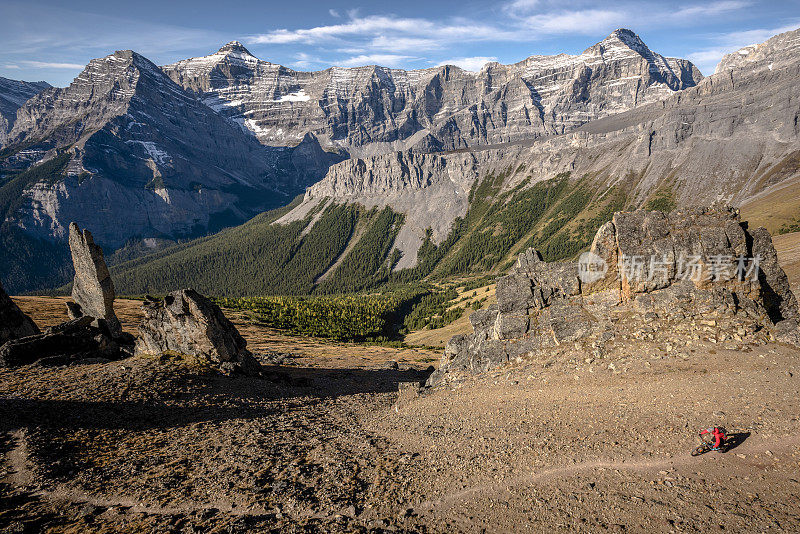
<point x="51" y="65"/>
<point x="11" y="66"/>
<point x="710" y="9"/>
<point x="707" y="59"/>
<point x="385" y="60"/>
<point x="387" y="26"/>
<point x="473" y="64"/>
<point x="405" y="44"/>
<point x="334" y="13"/>
<point x="590" y="21"/>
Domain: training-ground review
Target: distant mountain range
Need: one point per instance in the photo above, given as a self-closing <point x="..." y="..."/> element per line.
<point x="446" y="171"/>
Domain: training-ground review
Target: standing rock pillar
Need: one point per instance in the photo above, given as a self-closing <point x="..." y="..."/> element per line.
<point x="92" y="288"/>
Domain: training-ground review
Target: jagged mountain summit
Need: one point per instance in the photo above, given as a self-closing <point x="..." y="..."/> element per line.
<point x="127" y="151"/>
<point x="734" y="137"/>
<point x="372" y="109"/>
<point x="13" y="95"/>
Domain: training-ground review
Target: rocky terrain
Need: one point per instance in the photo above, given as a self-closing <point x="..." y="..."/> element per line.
<point x="554" y="442"/>
<point x="373" y="109"/>
<point x="732" y="137"/>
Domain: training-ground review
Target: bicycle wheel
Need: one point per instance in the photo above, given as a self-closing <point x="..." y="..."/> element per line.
<point x="700" y="449"/>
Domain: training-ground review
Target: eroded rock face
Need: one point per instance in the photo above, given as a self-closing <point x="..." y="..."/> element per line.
<point x="372" y="110"/>
<point x="13" y="322"/>
<point x="92" y="288"/>
<point x="690" y="267"/>
<point x="189" y="323"/>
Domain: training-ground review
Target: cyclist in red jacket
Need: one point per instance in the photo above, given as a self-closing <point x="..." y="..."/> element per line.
<point x="715" y="434"/>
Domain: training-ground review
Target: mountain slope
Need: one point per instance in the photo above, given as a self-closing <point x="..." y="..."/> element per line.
<point x="13" y="94"/>
<point x="371" y="109"/>
<point x="143" y="159"/>
<point x="734" y="137"/>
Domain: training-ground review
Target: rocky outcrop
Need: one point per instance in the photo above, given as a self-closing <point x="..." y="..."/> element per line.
<point x="372" y="110"/>
<point x="13" y="322"/>
<point x="66" y="343"/>
<point x="643" y="267"/>
<point x="188" y="323"/>
<point x="92" y="287"/>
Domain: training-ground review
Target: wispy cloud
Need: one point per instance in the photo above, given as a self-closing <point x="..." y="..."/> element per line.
<point x="590" y="21"/>
<point x="707" y="58"/>
<point x="469" y="63"/>
<point x="389" y="26"/>
<point x="52" y="65"/>
<point x="386" y="60"/>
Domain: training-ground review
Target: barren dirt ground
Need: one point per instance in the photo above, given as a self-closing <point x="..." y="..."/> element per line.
<point x="562" y="442"/>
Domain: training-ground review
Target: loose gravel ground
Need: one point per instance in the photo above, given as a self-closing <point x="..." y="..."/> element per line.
<point x="562" y="442"/>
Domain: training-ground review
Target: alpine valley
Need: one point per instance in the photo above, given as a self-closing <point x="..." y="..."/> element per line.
<point x="402" y="175"/>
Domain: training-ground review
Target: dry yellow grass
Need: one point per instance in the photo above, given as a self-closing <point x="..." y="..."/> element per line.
<point x="775" y="208"/>
<point x="440" y="336"/>
<point x="306" y="351"/>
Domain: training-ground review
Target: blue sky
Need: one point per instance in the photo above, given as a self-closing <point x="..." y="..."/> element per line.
<point x="51" y="41"/>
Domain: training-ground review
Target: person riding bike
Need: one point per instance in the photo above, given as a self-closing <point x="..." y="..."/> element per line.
<point x="715" y="437"/>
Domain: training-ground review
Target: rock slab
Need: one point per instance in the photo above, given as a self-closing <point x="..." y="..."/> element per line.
<point x="61" y="345"/>
<point x="14" y="323"/>
<point x="188" y="323"/>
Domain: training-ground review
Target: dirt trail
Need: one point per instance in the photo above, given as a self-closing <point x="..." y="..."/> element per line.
<point x="625" y="465"/>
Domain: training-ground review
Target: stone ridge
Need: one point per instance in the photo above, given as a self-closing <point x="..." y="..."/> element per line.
<point x="13" y="95"/>
<point x="541" y="305"/>
<point x="147" y="159"/>
<point x="371" y="109"/>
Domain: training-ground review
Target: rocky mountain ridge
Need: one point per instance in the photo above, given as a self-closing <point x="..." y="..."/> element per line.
<point x="138" y="157"/>
<point x="372" y="109"/>
<point x="13" y="95"/>
<point x="733" y="137"/>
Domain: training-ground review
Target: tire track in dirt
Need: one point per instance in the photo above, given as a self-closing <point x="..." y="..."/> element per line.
<point x="572" y="470"/>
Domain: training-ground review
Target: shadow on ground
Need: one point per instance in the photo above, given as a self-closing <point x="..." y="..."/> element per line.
<point x="735" y="439"/>
<point x="206" y="398"/>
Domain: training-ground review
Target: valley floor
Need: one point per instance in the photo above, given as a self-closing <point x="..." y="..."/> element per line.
<point x="554" y="443"/>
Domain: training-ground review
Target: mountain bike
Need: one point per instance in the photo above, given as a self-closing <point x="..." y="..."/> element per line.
<point x="705" y="445"/>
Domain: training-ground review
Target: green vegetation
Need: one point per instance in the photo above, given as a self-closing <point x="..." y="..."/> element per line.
<point x="366" y="265"/>
<point x="790" y="227"/>
<point x="11" y="192"/>
<point x="260" y="258"/>
<point x="662" y="200"/>
<point x="345" y="318"/>
<point x="432" y="312"/>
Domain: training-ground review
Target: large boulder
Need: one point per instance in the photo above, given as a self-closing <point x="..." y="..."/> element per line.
<point x="13" y="322"/>
<point x="684" y="266"/>
<point x="188" y="323"/>
<point x="92" y="288"/>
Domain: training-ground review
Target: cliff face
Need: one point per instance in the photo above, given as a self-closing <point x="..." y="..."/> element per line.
<point x="13" y="95"/>
<point x="369" y="110"/>
<point x="147" y="159"/>
<point x="734" y="137"/>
